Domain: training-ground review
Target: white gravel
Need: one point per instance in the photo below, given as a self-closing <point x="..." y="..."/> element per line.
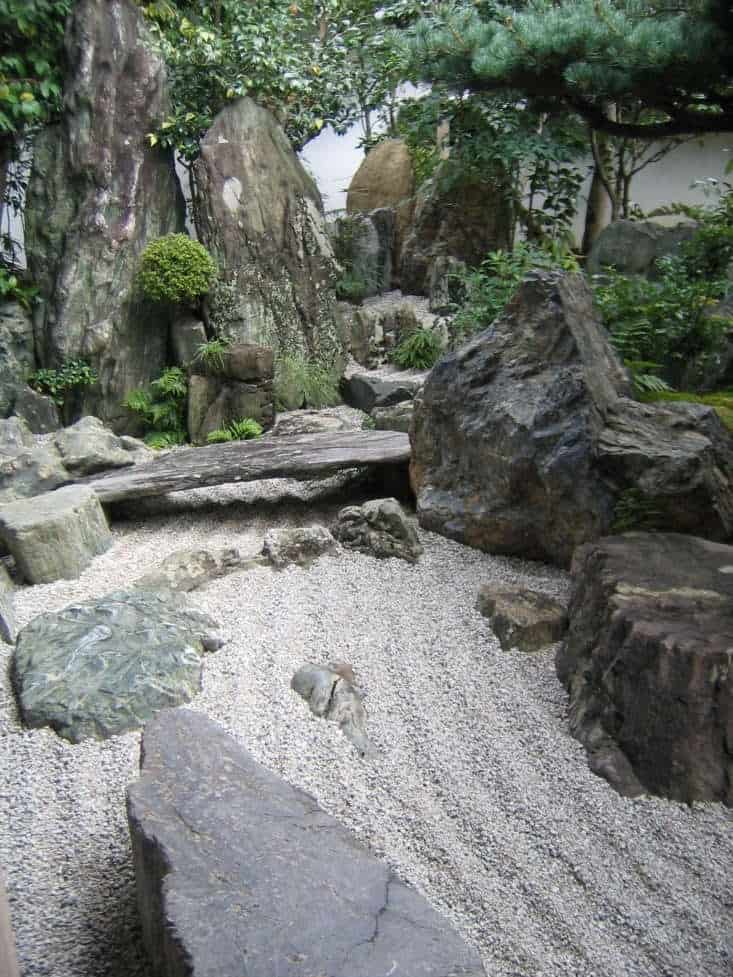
<point x="477" y="794"/>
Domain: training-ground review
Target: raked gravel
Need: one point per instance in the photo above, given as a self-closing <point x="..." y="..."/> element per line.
<point x="477" y="794"/>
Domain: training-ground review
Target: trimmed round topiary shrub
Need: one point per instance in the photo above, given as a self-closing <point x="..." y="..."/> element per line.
<point x="176" y="268"/>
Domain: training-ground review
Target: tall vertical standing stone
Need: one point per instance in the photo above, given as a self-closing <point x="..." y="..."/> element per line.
<point x="260" y="215"/>
<point x="98" y="194"/>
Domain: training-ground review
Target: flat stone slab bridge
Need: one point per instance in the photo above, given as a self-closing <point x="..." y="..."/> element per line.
<point x="303" y="457"/>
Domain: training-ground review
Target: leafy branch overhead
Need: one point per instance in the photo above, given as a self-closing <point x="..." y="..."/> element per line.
<point x="583" y="55"/>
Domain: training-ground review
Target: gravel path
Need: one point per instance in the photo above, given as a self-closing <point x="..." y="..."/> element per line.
<point x="477" y="794"/>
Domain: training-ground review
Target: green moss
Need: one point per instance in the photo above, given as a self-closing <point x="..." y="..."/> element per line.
<point x="721" y="401"/>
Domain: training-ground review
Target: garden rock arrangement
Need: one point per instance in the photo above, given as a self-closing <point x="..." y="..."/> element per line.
<point x="526" y="442"/>
<point x="300" y="546"/>
<point x="521" y="618"/>
<point x="102" y="667"/>
<point x="98" y="193"/>
<point x="379" y="528"/>
<point x="330" y="694"/>
<point x="55" y="535"/>
<point x="285" y="887"/>
<point x="647" y="663"/>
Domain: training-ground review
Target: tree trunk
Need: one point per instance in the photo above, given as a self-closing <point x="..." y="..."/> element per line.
<point x="597" y="211"/>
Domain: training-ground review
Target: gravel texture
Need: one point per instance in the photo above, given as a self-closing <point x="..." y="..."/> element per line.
<point x="476" y="792"/>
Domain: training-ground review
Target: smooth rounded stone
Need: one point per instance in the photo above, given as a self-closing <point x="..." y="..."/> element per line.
<point x="300" y="545"/>
<point x="294" y="422"/>
<point x="27" y="467"/>
<point x="647" y="664"/>
<point x="380" y="528"/>
<point x="398" y="417"/>
<point x="237" y="870"/>
<point x="522" y="618"/>
<point x="56" y="535"/>
<point x="330" y="694"/>
<point x="106" y="666"/>
<point x="187" y="570"/>
<point x="7" y="609"/>
<point x="88" y="447"/>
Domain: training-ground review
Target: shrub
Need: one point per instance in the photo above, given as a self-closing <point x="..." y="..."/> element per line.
<point x="162" y="410"/>
<point x="419" y="351"/>
<point x="301" y="381"/>
<point x="176" y="269"/>
<point x="245" y="429"/>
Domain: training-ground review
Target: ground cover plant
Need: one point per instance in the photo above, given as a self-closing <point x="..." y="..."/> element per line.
<point x="162" y="408"/>
<point x="245" y="429"/>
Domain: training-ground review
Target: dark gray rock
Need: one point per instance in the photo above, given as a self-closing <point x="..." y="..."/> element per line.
<point x="7" y="610"/>
<point x="108" y="665"/>
<point x="380" y="528"/>
<point x="188" y="333"/>
<point x="38" y="411"/>
<point x="88" y="447"/>
<point x="459" y="219"/>
<point x="187" y="570"/>
<point x="331" y="695"/>
<point x="17" y="353"/>
<point x="98" y="194"/>
<point x="300" y="545"/>
<point x="526" y="442"/>
<point x="236" y="870"/>
<point x="395" y="418"/>
<point x="632" y="247"/>
<point x="27" y="468"/>
<point x="522" y="618"/>
<point x="646" y="662"/>
<point x="365" y="391"/>
<point x="260" y="215"/>
<point x="55" y="536"/>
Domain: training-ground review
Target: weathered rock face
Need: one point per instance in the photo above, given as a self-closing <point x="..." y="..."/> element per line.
<point x="398" y="417"/>
<point x="285" y="886"/>
<point x="17" y="353"/>
<point x="524" y="441"/>
<point x="647" y="663"/>
<point x="295" y="422"/>
<point x="260" y="215"/>
<point x="521" y="618"/>
<point x="375" y="330"/>
<point x="331" y="695"/>
<point x="458" y="220"/>
<point x="379" y="528"/>
<point x="370" y="247"/>
<point x="7" y="608"/>
<point x="187" y="570"/>
<point x="300" y="545"/>
<point x="88" y="447"/>
<point x="241" y="386"/>
<point x="38" y="411"/>
<point x="106" y="666"/>
<point x="98" y="194"/>
<point x="365" y="391"/>
<point x="385" y="179"/>
<point x="26" y="468"/>
<point x="632" y="247"/>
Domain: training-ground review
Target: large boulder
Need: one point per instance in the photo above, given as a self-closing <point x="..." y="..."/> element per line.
<point x="647" y="663"/>
<point x="108" y="665"/>
<point x="234" y="864"/>
<point x="27" y="467"/>
<point x="385" y="179"/>
<point x="88" y="447"/>
<point x="260" y="215"/>
<point x="526" y="442"/>
<point x="632" y="247"/>
<point x="459" y="219"/>
<point x="98" y="194"/>
<point x="55" y="536"/>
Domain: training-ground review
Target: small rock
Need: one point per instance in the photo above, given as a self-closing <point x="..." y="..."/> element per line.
<point x="301" y="545"/>
<point x="27" y="468"/>
<point x="56" y="535"/>
<point x="523" y="618"/>
<point x="378" y="527"/>
<point x="331" y="695"/>
<point x="295" y="422"/>
<point x="395" y="418"/>
<point x="187" y="570"/>
<point x="7" y="610"/>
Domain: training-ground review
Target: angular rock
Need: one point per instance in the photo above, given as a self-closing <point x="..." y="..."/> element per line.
<point x="445" y="288"/>
<point x="632" y="247"/>
<point x="647" y="664"/>
<point x="27" y="468"/>
<point x="88" y="447"/>
<point x="55" y="536"/>
<point x="365" y="391"/>
<point x="108" y="665"/>
<point x="17" y="355"/>
<point x="233" y="863"/>
<point x="398" y="417"/>
<point x="98" y="194"/>
<point x="526" y="442"/>
<point x="296" y="422"/>
<point x="363" y="243"/>
<point x="7" y="610"/>
<point x="331" y="695"/>
<point x="300" y="545"/>
<point x="188" y="333"/>
<point x="386" y="179"/>
<point x="260" y="215"/>
<point x="215" y="401"/>
<point x="187" y="570"/>
<point x="138" y="451"/>
<point x="376" y="330"/>
<point x="459" y="219"/>
<point x="522" y="618"/>
<point x="380" y="528"/>
<point x="38" y="411"/>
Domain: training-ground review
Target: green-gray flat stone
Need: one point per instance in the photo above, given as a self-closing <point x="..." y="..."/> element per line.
<point x="106" y="666"/>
